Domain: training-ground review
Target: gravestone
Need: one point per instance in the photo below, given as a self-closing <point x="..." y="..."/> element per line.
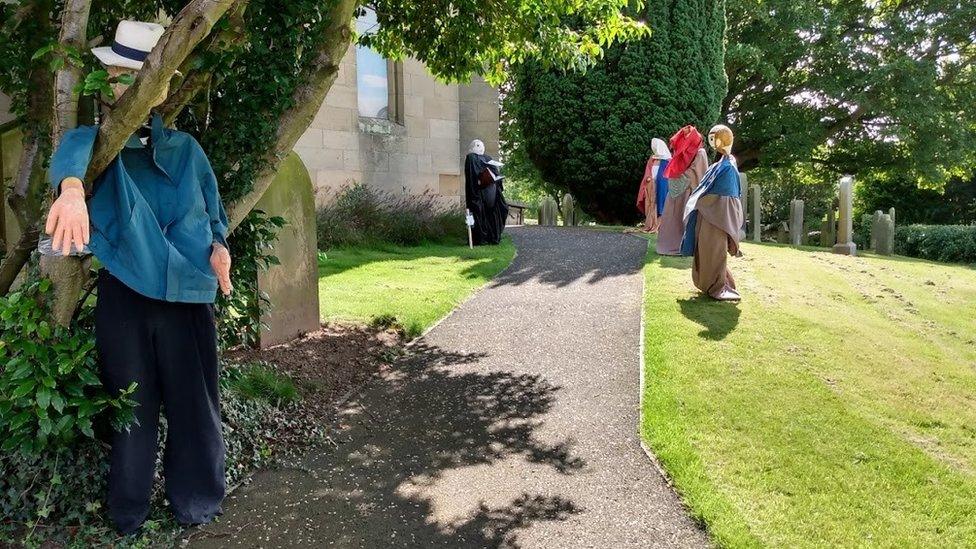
<point x="828" y="231"/>
<point x="845" y="223"/>
<point x="548" y="212"/>
<point x="291" y="287"/>
<point x="756" y="213"/>
<point x="875" y="228"/>
<point x="569" y="211"/>
<point x="885" y="236"/>
<point x="744" y="199"/>
<point x="797" y="230"/>
<point x="783" y="233"/>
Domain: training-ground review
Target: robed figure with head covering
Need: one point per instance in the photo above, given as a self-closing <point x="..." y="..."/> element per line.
<point x="713" y="218"/>
<point x="686" y="168"/>
<point x="483" y="195"/>
<point x="654" y="186"/>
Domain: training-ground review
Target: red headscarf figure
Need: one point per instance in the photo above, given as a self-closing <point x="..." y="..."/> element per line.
<point x="684" y="147"/>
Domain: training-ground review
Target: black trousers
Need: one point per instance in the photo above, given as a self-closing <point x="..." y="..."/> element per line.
<point x="170" y="351"/>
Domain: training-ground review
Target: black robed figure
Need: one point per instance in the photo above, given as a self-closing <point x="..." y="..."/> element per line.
<point x="484" y="198"/>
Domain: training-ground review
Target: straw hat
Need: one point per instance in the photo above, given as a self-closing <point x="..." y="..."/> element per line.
<point x="133" y="42"/>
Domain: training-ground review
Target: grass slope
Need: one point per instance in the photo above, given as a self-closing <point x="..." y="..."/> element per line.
<point x="414" y="285"/>
<point x="835" y="406"/>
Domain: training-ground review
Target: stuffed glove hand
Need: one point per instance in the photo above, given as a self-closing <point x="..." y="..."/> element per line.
<point x="67" y="221"/>
<point x="220" y="262"/>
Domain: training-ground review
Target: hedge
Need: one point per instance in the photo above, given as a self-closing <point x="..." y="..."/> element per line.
<point x="947" y="243"/>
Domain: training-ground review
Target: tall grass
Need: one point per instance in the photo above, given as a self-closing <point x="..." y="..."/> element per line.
<point x="363" y="216"/>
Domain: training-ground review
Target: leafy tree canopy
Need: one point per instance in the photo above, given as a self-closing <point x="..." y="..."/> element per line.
<point x="854" y="85"/>
<point x="590" y="134"/>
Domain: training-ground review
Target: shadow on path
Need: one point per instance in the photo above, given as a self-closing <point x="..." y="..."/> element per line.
<point x="410" y="428"/>
<point x="559" y="256"/>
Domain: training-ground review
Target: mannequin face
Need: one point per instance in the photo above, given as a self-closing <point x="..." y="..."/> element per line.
<point x="720" y="138"/>
<point x="118" y="88"/>
<point x="477" y="147"/>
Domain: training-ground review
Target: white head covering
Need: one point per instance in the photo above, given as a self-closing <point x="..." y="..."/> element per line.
<point x="133" y="42"/>
<point x="660" y="149"/>
<point x="477" y="147"/>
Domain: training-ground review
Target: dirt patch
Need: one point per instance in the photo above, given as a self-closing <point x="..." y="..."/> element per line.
<point x="328" y="364"/>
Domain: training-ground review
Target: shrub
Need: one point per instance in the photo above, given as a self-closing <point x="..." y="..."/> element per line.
<point x="56" y="494"/>
<point x="947" y="243"/>
<point x="50" y="393"/>
<point x="361" y="215"/>
<point x="589" y="133"/>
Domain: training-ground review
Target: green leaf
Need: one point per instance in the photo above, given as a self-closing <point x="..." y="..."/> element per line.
<point x="43" y="397"/>
<point x="57" y="402"/>
<point x="23" y="390"/>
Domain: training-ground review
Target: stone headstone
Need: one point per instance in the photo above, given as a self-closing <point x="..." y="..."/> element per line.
<point x="548" y="212"/>
<point x="797" y="230"/>
<point x="885" y="232"/>
<point x="891" y="233"/>
<point x="875" y="222"/>
<point x="568" y="208"/>
<point x="756" y="213"/>
<point x="891" y="212"/>
<point x="291" y="287"/>
<point x="845" y="223"/>
<point x="828" y="231"/>
<point x="783" y="233"/>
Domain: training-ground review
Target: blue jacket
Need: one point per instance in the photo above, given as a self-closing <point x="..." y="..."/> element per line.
<point x="155" y="212"/>
<point x="721" y="179"/>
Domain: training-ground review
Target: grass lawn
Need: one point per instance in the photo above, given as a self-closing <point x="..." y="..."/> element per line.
<point x="835" y="406"/>
<point x="416" y="285"/>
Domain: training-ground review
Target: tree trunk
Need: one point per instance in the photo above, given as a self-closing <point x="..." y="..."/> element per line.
<point x="306" y="101"/>
<point x="68" y="275"/>
<point x="27" y="193"/>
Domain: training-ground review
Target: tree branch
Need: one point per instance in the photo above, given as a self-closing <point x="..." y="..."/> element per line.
<point x="25" y="200"/>
<point x="188" y="29"/>
<point x="306" y="101"/>
<point x="196" y="77"/>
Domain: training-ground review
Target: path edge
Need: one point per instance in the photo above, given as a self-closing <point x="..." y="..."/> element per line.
<point x="640" y="412"/>
<point x="459" y="304"/>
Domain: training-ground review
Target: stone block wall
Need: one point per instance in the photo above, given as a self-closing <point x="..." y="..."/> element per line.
<point x="424" y="154"/>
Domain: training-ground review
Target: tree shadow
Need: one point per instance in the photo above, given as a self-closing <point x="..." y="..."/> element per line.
<point x="719" y="318"/>
<point x="560" y="256"/>
<point x="400" y="470"/>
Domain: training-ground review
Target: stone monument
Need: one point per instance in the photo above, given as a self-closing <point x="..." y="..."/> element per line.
<point x="885" y="235"/>
<point x="548" y="212"/>
<point x="568" y="208"/>
<point x="797" y="230"/>
<point x="828" y="231"/>
<point x="292" y="286"/>
<point x="845" y="224"/>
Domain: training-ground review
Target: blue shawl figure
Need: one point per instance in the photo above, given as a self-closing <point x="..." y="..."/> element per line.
<point x="661" y="187"/>
<point x="713" y="222"/>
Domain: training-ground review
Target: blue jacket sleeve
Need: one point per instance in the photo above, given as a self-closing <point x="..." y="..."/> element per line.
<point x="73" y="155"/>
<point x="215" y="207"/>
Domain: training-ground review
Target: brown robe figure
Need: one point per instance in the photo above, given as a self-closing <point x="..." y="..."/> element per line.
<point x="714" y="213"/>
<point x="653" y="189"/>
<point x="672" y="225"/>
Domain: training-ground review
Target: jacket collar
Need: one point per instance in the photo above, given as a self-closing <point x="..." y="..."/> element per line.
<point x="160" y="135"/>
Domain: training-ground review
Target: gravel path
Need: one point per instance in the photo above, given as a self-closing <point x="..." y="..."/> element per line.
<point x="511" y="424"/>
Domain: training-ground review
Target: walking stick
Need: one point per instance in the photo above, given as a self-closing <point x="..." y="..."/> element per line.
<point x="469" y="221"/>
